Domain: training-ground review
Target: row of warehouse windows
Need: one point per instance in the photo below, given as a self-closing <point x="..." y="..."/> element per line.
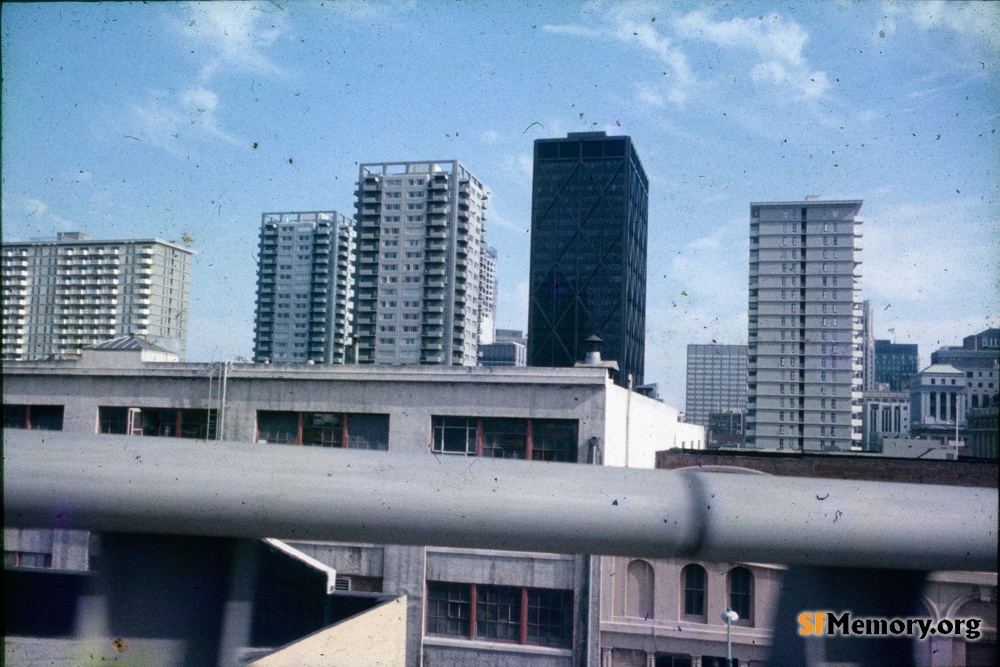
<point x="500" y="613"/>
<point x="504" y="437"/>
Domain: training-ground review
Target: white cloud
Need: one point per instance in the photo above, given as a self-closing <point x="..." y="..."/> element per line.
<point x="179" y="123"/>
<point x="778" y="44"/>
<point x="236" y="35"/>
<point x="646" y="93"/>
<point x="35" y="207"/>
<point x="978" y="19"/>
<point x="573" y="29"/>
<point x="230" y="37"/>
<point x="526" y="162"/>
<point x="622" y="24"/>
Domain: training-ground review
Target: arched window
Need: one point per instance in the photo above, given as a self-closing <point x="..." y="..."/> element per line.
<point x="741" y="593"/>
<point x="693" y="582"/>
<point x="639" y="590"/>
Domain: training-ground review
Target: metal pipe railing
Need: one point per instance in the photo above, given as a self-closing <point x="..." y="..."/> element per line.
<point x="149" y="485"/>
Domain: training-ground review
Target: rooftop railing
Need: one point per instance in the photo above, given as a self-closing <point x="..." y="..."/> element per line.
<point x="241" y="490"/>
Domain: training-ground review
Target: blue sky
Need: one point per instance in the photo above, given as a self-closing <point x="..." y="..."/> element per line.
<point x="163" y="119"/>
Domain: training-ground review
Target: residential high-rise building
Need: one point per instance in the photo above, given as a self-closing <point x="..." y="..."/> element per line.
<point x="895" y="363"/>
<point x="304" y="288"/>
<point x="63" y="295"/>
<point x="488" y="295"/>
<point x="805" y="347"/>
<point x="716" y="381"/>
<point x="588" y="253"/>
<point x="420" y="298"/>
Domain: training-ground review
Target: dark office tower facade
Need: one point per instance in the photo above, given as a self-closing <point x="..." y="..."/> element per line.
<point x="588" y="253"/>
<point x="895" y="363"/>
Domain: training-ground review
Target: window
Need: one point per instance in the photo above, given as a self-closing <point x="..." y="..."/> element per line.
<point x="550" y="616"/>
<point x="455" y="435"/>
<point x="693" y="581"/>
<point x="501" y="613"/>
<point x="156" y="422"/>
<point x="498" y="613"/>
<point x="448" y="609"/>
<point x="33" y="417"/>
<point x="531" y="439"/>
<point x="324" y="429"/>
<point x="639" y="590"/>
<point x="741" y="594"/>
<point x="26" y="559"/>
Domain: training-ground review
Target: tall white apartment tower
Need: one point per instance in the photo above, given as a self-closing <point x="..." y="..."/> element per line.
<point x="419" y="268"/>
<point x="805" y="346"/>
<point x="488" y="296"/>
<point x="63" y="295"/>
<point x="304" y="288"/>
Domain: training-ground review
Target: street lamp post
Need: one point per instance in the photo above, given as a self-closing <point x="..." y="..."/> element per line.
<point x="730" y="617"/>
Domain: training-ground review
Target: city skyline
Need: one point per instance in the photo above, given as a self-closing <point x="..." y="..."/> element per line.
<point x="171" y="120"/>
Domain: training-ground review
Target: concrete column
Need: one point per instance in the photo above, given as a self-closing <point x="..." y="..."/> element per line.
<point x="650" y="660"/>
<point x="606" y="657"/>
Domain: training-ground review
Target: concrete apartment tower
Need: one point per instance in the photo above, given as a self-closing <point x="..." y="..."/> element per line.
<point x="589" y="208"/>
<point x="304" y="288"/>
<point x="420" y="296"/>
<point x="63" y="295"/>
<point x="488" y="296"/>
<point x="716" y="381"/>
<point x="805" y="346"/>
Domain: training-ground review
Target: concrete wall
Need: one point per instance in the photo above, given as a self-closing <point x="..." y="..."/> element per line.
<point x="636" y="427"/>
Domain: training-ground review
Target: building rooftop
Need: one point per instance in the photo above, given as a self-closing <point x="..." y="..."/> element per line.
<point x="130" y="342"/>
<point x="941" y="368"/>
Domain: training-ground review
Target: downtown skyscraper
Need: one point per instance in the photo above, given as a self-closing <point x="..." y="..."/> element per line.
<point x="589" y="209"/>
<point x="805" y="346"/>
<point x="423" y="266"/>
<point x="716" y="381"/>
<point x="304" y="288"/>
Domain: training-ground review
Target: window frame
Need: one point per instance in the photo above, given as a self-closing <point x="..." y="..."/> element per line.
<point x="543" y="440"/>
<point x="746" y="619"/>
<point x="524" y="603"/>
<point x="42" y="414"/>
<point x="689" y="589"/>
<point x="341" y="434"/>
<point x="179" y="423"/>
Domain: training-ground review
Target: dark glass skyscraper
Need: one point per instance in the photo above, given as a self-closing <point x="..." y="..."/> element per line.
<point x="588" y="252"/>
<point x="895" y="363"/>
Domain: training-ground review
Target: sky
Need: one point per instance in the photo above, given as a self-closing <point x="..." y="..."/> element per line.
<point x="176" y="120"/>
